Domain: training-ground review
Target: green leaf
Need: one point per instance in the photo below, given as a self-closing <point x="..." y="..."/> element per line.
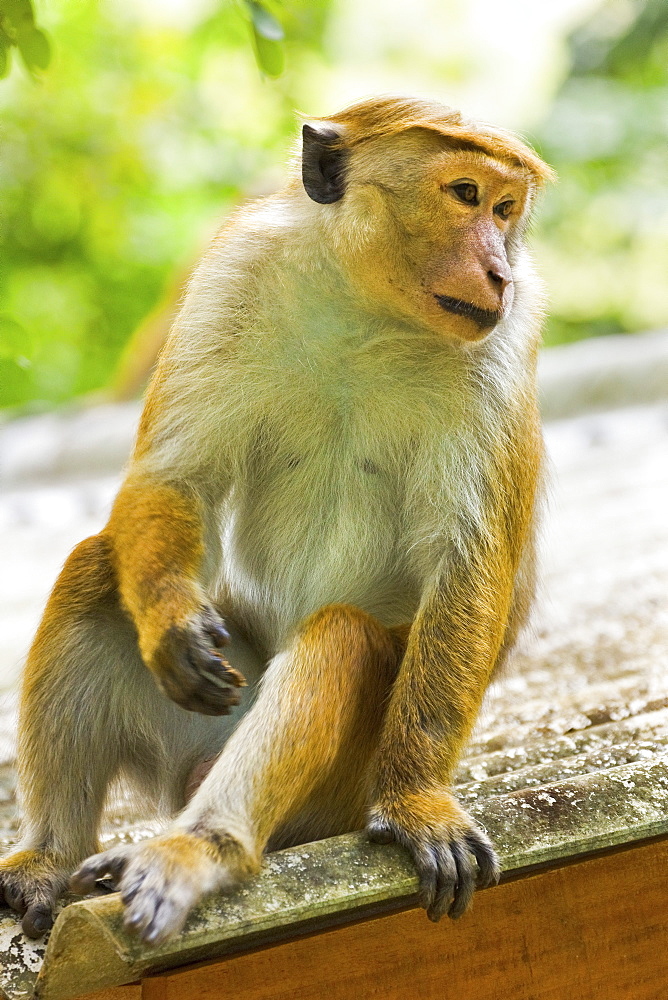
<point x="269" y="54"/>
<point x="14" y="341"/>
<point x="4" y="60"/>
<point x="264" y="23"/>
<point x="19" y="14"/>
<point x="35" y="49"/>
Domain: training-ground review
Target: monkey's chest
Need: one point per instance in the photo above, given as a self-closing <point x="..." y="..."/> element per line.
<point x="317" y="524"/>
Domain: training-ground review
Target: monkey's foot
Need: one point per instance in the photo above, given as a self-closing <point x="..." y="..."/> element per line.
<point x="30" y="883"/>
<point x="161" y="880"/>
<point x="190" y="669"/>
<point x="452" y="854"/>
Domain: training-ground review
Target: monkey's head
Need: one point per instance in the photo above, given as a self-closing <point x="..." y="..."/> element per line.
<point x="424" y="210"/>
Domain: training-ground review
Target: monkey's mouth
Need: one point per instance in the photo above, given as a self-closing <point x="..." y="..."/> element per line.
<point x="484" y="318"/>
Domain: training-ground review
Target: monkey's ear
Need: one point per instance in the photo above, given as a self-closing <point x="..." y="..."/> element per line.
<point x="323" y="164"/>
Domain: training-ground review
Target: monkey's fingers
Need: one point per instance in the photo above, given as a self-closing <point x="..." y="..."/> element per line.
<point x="231" y="676"/>
<point x="214" y="626"/>
<point x="438" y="876"/>
<point x="108" y="864"/>
<point x="456" y="885"/>
<point x="193" y="675"/>
<point x="14" y="899"/>
<point x="30" y="883"/>
<point x="466" y="862"/>
<point x="37" y="915"/>
<point x="38" y="919"/>
<point x="437" y="868"/>
<point x="489" y="869"/>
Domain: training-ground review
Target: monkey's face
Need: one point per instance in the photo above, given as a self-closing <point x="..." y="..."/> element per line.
<point x="474" y="210"/>
<point x="427" y="232"/>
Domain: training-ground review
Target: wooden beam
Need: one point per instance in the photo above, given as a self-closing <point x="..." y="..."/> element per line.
<point x="131" y="992"/>
<point x="592" y="930"/>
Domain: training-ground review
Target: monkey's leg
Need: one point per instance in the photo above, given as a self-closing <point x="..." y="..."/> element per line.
<point x="452" y="650"/>
<point x="68" y="747"/>
<point x="297" y="766"/>
<point x="465" y="630"/>
<point x="89" y="709"/>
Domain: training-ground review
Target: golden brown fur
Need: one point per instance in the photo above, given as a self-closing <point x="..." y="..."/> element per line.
<point x="335" y="484"/>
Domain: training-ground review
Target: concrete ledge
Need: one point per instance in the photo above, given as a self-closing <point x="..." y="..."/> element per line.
<point x="603" y="373"/>
<point x="563" y="808"/>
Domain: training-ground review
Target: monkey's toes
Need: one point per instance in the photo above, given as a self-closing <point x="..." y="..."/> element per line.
<point x="450" y="871"/>
<point x="36" y="915"/>
<point x="161" y="882"/>
<point x="30" y="883"/>
<point x="451" y="863"/>
<point x="108" y="864"/>
<point x="38" y="920"/>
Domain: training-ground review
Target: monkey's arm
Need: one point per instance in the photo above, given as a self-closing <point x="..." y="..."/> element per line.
<point x="452" y="649"/>
<point x="157" y="531"/>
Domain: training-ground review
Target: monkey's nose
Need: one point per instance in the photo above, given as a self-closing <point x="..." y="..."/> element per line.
<point x="499" y="279"/>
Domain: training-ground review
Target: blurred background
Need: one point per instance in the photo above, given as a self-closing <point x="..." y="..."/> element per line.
<point x="129" y="128"/>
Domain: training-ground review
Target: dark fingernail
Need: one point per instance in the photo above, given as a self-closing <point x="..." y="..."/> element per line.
<point x="42" y="923"/>
<point x="221" y="635"/>
<point x="233" y="676"/>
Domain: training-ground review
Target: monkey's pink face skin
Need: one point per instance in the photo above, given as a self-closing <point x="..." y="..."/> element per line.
<point x="484" y="201"/>
<point x="442" y="243"/>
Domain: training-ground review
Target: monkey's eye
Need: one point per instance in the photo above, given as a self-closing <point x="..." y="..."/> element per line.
<point x="504" y="209"/>
<point x="466" y="192"/>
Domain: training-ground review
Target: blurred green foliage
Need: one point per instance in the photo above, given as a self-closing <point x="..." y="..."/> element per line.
<point x="18" y="30"/>
<point x="116" y="167"/>
<point x="144" y="131"/>
<point x="267" y="34"/>
<point x="603" y="231"/>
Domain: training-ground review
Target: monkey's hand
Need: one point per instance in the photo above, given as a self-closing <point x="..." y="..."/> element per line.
<point x="190" y="669"/>
<point x="452" y="854"/>
<point x="30" y="883"/>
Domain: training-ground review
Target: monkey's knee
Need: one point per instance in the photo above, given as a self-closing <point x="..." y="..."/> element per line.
<point x="86" y="581"/>
<point x="346" y="636"/>
<point x="86" y="578"/>
<point x="348" y="661"/>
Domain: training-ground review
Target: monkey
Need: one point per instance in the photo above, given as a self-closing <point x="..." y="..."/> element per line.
<point x="327" y="523"/>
